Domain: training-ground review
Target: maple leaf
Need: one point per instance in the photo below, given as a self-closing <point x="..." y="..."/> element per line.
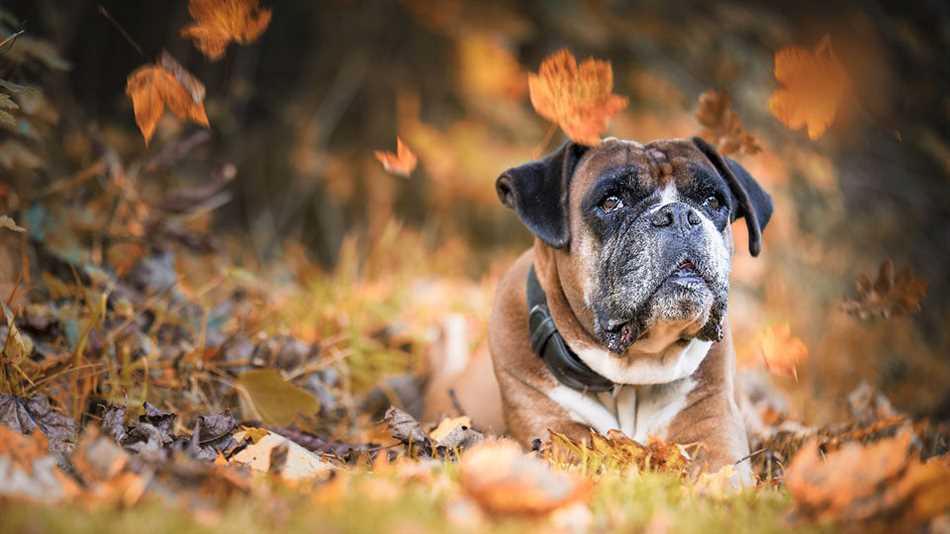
<point x="883" y="481"/>
<point x="504" y="480"/>
<point x="722" y="125"/>
<point x="815" y="83"/>
<point x="218" y="22"/>
<point x="781" y="351"/>
<point x="402" y="163"/>
<point x="891" y="293"/>
<point x="165" y="83"/>
<point x="579" y="98"/>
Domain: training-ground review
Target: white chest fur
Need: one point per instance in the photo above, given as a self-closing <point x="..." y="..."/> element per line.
<point x="637" y="411"/>
<point x="648" y="395"/>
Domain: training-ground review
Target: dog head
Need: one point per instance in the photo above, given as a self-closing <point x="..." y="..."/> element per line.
<point x="641" y="234"/>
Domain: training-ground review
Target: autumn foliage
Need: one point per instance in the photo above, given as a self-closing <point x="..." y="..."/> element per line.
<point x="166" y="83"/>
<point x="219" y="22"/>
<point x="578" y="98"/>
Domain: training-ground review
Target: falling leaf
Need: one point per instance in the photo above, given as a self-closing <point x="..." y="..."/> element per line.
<point x="274" y="400"/>
<point x="883" y="481"/>
<point x="722" y="126"/>
<point x="504" y="480"/>
<point x="781" y="351"/>
<point x="579" y="98"/>
<point x="814" y="85"/>
<point x="218" y="22"/>
<point x="890" y="294"/>
<point x="165" y="83"/>
<point x="402" y="163"/>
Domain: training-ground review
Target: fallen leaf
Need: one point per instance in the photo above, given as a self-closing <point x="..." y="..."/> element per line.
<point x="218" y="22"/>
<point x="579" y="98"/>
<point x="455" y="433"/>
<point x="14" y="347"/>
<point x="722" y="126"/>
<point x="6" y="106"/>
<point x="402" y="163"/>
<point x="405" y="428"/>
<point x="504" y="480"/>
<point x="28" y="416"/>
<point x="889" y="294"/>
<point x="166" y="83"/>
<point x="297" y="462"/>
<point x="27" y="471"/>
<point x="718" y="485"/>
<point x="616" y="452"/>
<point x="814" y="85"/>
<point x="7" y="222"/>
<point x="274" y="400"/>
<point x="883" y="481"/>
<point x="781" y="351"/>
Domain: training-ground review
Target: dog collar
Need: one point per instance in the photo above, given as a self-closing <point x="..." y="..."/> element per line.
<point x="548" y="344"/>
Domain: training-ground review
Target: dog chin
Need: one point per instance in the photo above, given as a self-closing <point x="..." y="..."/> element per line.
<point x="678" y="310"/>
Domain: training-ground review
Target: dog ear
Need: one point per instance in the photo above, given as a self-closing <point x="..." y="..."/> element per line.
<point x="752" y="201"/>
<point x="538" y="192"/>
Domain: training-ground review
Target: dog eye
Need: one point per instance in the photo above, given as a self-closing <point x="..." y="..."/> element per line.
<point x="712" y="202"/>
<point x="611" y="203"/>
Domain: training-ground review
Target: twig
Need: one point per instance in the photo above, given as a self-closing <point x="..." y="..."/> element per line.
<point x="11" y="39"/>
<point x="750" y="455"/>
<point x="105" y="13"/>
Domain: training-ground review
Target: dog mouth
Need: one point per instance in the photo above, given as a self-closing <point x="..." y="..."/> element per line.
<point x="622" y="332"/>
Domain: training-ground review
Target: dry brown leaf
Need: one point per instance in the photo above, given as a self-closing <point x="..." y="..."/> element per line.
<point x="402" y="163"/>
<point x="218" y="22"/>
<point x="166" y="83"/>
<point x="579" y="98"/>
<point x="883" y="481"/>
<point x="8" y="223"/>
<point x="891" y="293"/>
<point x="504" y="480"/>
<point x="814" y="85"/>
<point x="722" y="126"/>
<point x="781" y="351"/>
<point x="617" y="451"/>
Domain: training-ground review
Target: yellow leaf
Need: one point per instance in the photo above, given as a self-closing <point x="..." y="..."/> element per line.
<point x="814" y="84"/>
<point x="218" y="22"/>
<point x="274" y="400"/>
<point x="403" y="162"/>
<point x="579" y="98"/>
<point x="166" y="83"/>
<point x="7" y="222"/>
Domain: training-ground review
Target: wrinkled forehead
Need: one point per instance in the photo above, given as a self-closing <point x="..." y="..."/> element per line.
<point x="652" y="165"/>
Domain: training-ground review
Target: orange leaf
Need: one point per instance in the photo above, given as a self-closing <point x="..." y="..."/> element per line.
<point x="166" y="83"/>
<point x="504" y="480"/>
<point x="883" y="481"/>
<point x="218" y="22"/>
<point x="579" y="98"/>
<point x="782" y="351"/>
<point x="403" y="162"/>
<point x="722" y="126"/>
<point x="814" y="85"/>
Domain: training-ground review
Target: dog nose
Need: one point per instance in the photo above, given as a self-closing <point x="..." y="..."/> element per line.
<point x="678" y="213"/>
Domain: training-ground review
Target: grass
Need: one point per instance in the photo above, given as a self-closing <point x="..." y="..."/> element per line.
<point x="391" y="501"/>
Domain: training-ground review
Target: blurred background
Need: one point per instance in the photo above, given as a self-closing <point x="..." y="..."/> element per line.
<point x="296" y="116"/>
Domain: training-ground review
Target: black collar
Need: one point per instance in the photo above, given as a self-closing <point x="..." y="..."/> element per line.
<point x="548" y="343"/>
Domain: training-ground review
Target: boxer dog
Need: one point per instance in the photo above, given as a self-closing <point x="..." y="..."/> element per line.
<point x="616" y="317"/>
